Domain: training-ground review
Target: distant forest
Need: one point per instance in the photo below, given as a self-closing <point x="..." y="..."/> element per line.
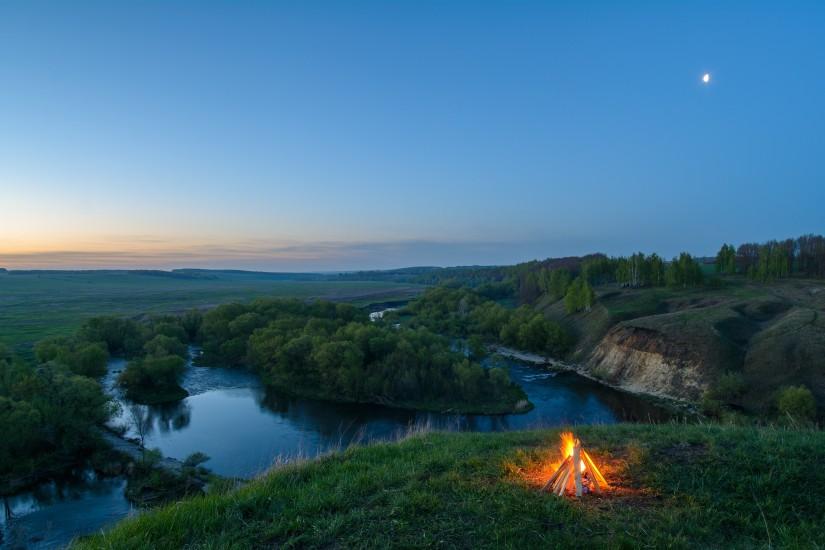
<point x="527" y="281"/>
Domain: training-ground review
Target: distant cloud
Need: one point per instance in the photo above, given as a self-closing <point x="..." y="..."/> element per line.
<point x="287" y="256"/>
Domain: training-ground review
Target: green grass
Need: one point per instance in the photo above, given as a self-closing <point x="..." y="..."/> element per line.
<point x="676" y="486"/>
<point x="35" y="305"/>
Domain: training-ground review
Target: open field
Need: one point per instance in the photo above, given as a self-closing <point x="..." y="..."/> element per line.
<point x="671" y="486"/>
<point x="34" y="305"/>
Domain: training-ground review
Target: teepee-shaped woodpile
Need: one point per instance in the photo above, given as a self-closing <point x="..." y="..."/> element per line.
<point x="576" y="472"/>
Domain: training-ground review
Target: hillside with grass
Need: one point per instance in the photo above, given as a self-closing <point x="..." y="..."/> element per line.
<point x="753" y="338"/>
<point x="672" y="485"/>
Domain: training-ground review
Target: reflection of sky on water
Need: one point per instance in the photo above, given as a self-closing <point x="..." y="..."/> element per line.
<point x="55" y="512"/>
<point x="244" y="428"/>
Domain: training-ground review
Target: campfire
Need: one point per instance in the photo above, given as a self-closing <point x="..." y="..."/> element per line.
<point x="577" y="471"/>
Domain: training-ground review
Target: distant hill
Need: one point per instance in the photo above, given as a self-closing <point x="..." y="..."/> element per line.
<point x="681" y="342"/>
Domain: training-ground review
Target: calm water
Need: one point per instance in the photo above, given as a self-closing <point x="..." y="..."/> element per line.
<point x="57" y="511"/>
<point x="244" y="427"/>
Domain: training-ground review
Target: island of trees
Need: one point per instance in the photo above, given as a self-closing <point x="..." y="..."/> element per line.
<point x="332" y="351"/>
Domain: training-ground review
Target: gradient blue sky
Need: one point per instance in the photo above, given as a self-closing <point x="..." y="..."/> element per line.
<point x="319" y="136"/>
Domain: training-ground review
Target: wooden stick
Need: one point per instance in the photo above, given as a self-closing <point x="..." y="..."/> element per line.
<point x="560" y="479"/>
<point x="558" y="472"/>
<point x="577" y="471"/>
<point x="596" y="487"/>
<point x="564" y="483"/>
<point x="595" y="471"/>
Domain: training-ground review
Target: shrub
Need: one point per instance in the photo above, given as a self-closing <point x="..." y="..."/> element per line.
<point x="153" y="372"/>
<point x="797" y="402"/>
<point x="711" y="407"/>
<point x="729" y="387"/>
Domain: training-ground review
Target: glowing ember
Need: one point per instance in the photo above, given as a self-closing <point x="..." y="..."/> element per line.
<point x="577" y="470"/>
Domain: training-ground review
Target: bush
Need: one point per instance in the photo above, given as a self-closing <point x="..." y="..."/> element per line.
<point x="728" y="388"/>
<point x="154" y="379"/>
<point x="84" y="358"/>
<point x="711" y="407"/>
<point x="797" y="402"/>
<point x="162" y="345"/>
<point x="46" y="415"/>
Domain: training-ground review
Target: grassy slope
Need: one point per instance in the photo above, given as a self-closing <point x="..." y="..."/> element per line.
<point x="771" y="333"/>
<point x="683" y="486"/>
<point x="33" y="306"/>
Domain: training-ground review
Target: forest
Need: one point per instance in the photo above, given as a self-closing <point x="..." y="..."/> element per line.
<point x="772" y="260"/>
<point x="332" y="351"/>
<point x="465" y="313"/>
<point x="555" y="277"/>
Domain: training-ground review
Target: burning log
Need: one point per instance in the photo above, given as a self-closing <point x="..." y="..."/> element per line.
<point x="577" y="471"/>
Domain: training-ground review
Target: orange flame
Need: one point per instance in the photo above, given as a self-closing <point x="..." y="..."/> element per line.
<point x="568" y="442"/>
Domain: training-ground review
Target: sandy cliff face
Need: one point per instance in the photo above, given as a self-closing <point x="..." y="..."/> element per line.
<point x="648" y="361"/>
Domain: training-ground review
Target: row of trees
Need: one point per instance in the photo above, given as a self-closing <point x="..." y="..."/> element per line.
<point x="773" y="260"/>
<point x="640" y="270"/>
<point x="332" y="351"/>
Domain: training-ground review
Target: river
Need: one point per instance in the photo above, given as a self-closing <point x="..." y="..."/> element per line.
<point x="245" y="428"/>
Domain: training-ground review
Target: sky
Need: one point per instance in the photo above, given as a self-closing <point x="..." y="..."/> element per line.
<point x="356" y="135"/>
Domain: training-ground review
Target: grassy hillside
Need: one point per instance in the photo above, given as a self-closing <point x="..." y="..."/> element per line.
<point x="35" y="304"/>
<point x="682" y="486"/>
<point x="772" y="334"/>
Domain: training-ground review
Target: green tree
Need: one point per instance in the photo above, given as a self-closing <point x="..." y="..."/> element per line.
<point x="559" y="281"/>
<point x="726" y="260"/>
<point x="162" y="345"/>
<point x="154" y="378"/>
<point x="684" y="272"/>
<point x="579" y="297"/>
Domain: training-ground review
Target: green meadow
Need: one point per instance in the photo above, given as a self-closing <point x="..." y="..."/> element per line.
<point x="671" y="486"/>
<point x="35" y="304"/>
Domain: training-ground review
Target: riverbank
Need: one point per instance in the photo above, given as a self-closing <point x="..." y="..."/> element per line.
<point x="246" y="428"/>
<point x="670" y="485"/>
<point x="665" y="400"/>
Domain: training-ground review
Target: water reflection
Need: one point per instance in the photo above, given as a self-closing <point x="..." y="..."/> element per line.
<point x="54" y="512"/>
<point x="244" y="427"/>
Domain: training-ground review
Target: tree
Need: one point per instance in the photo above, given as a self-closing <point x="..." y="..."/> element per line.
<point x="84" y="358"/>
<point x="46" y="412"/>
<point x="162" y="345"/>
<point x="559" y="281"/>
<point x="154" y="379"/>
<point x="684" y="272"/>
<point x="528" y="289"/>
<point x="726" y="260"/>
<point x="141" y="422"/>
<point x="579" y="297"/>
<point x="657" y="270"/>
